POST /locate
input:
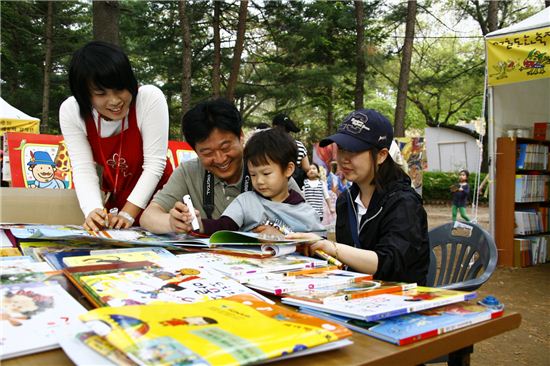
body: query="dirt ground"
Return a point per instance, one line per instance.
(525, 290)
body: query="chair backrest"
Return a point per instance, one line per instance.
(462, 257)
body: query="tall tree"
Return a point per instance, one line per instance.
(217, 50)
(402, 87)
(48, 32)
(186, 59)
(238, 50)
(105, 21)
(361, 64)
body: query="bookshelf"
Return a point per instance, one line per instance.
(532, 192)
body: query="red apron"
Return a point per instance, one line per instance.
(121, 157)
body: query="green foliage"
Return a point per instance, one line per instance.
(436, 185)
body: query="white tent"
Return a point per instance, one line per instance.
(518, 74)
(12, 119)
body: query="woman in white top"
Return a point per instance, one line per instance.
(115, 129)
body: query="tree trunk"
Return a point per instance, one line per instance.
(105, 21)
(186, 59)
(401, 104)
(239, 45)
(47, 69)
(492, 16)
(217, 50)
(361, 64)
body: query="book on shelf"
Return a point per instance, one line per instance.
(243, 268)
(531, 156)
(279, 283)
(32, 315)
(387, 305)
(541, 131)
(233, 331)
(414, 327)
(531, 250)
(531, 187)
(138, 283)
(350, 291)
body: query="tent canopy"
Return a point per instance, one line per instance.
(12, 119)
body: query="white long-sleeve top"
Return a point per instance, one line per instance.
(153, 124)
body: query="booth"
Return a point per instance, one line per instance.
(12, 119)
(518, 77)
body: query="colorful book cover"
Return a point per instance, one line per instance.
(236, 331)
(118, 255)
(354, 290)
(179, 152)
(32, 314)
(280, 284)
(410, 328)
(145, 282)
(243, 268)
(24, 265)
(382, 306)
(9, 252)
(39, 161)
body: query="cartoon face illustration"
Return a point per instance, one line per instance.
(42, 172)
(22, 305)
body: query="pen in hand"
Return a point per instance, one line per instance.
(329, 259)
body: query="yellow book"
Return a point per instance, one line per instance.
(234, 331)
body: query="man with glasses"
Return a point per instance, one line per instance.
(214, 129)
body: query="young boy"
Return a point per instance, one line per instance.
(270, 156)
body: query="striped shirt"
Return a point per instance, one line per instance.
(315, 192)
(301, 152)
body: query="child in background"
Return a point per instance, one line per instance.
(315, 191)
(271, 208)
(460, 192)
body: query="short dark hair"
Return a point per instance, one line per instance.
(103, 65)
(465, 171)
(284, 121)
(199, 121)
(273, 144)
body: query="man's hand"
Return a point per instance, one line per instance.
(180, 218)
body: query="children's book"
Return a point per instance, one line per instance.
(243, 268)
(382, 306)
(350, 291)
(138, 283)
(31, 314)
(279, 283)
(180, 152)
(9, 252)
(56, 259)
(240, 330)
(39, 161)
(414, 327)
(38, 249)
(118, 255)
(25, 264)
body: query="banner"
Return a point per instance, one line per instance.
(19, 125)
(519, 57)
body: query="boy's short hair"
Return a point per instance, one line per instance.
(199, 121)
(103, 65)
(273, 144)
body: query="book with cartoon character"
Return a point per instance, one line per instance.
(32, 314)
(239, 330)
(414, 327)
(383, 306)
(138, 283)
(39, 161)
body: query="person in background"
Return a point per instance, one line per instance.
(460, 193)
(120, 128)
(332, 177)
(302, 163)
(395, 153)
(381, 224)
(271, 206)
(315, 191)
(214, 129)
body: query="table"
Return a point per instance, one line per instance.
(365, 350)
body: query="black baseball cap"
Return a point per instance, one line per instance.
(362, 130)
(284, 121)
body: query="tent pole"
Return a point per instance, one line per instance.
(492, 160)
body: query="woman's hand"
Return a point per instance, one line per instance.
(120, 221)
(96, 220)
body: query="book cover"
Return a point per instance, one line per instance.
(118, 255)
(280, 284)
(410, 328)
(540, 131)
(382, 306)
(141, 283)
(239, 331)
(179, 152)
(32, 314)
(354, 290)
(39, 161)
(244, 268)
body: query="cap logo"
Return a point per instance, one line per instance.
(382, 138)
(356, 123)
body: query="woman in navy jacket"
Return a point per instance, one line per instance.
(381, 225)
